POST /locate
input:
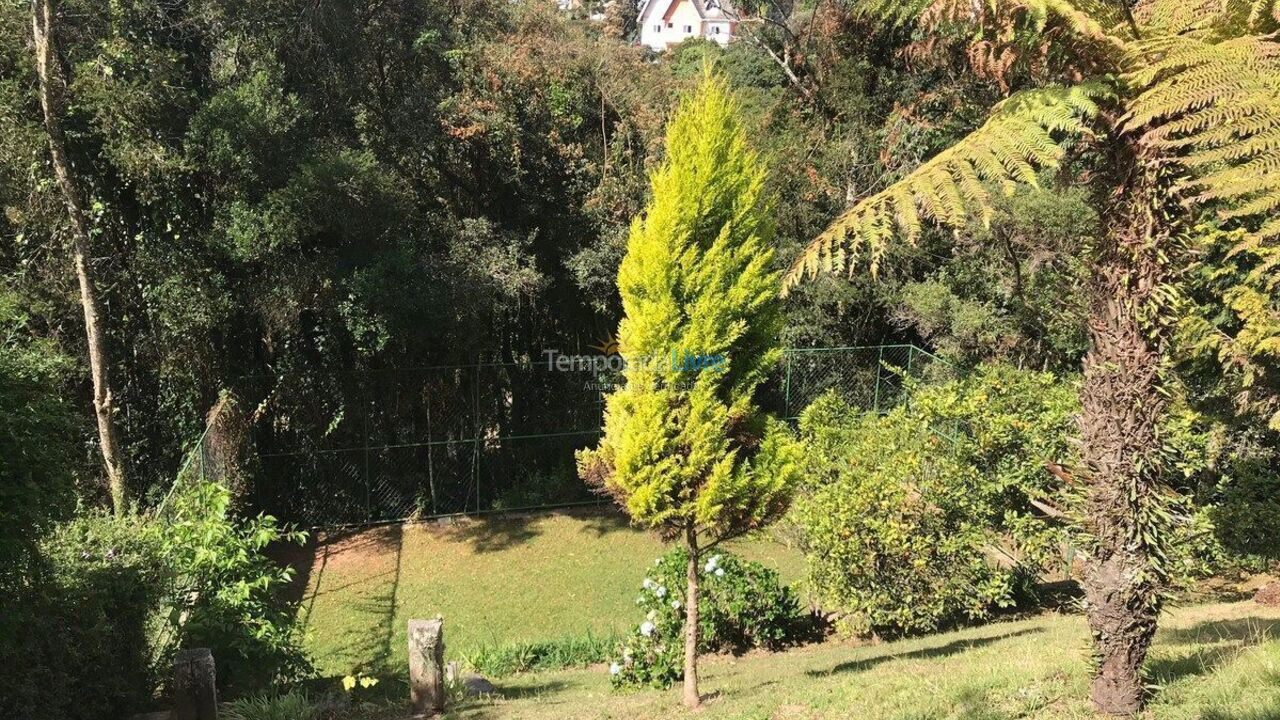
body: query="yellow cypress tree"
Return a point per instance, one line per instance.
(686, 449)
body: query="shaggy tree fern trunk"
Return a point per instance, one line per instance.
(1121, 404)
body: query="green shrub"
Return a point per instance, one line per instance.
(37, 444)
(925, 515)
(286, 706)
(92, 628)
(571, 651)
(1245, 512)
(78, 640)
(227, 595)
(742, 605)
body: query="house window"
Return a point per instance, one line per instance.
(657, 28)
(688, 29)
(716, 30)
(670, 24)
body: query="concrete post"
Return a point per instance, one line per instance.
(426, 667)
(195, 694)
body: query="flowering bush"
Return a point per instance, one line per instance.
(742, 605)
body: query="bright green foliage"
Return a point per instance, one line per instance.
(295, 705)
(498, 660)
(1232, 319)
(225, 594)
(686, 448)
(929, 514)
(741, 605)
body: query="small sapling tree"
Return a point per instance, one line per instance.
(686, 450)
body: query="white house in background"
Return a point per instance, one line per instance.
(666, 22)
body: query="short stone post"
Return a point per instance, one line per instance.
(195, 693)
(426, 667)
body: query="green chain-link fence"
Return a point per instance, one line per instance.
(421, 442)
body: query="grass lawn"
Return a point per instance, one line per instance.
(1215, 662)
(525, 578)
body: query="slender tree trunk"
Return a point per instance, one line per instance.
(691, 697)
(1121, 405)
(52, 86)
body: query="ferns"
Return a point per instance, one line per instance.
(1016, 142)
(1203, 88)
(1216, 108)
(1085, 18)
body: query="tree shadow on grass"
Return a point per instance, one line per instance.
(1225, 639)
(604, 521)
(494, 533)
(372, 615)
(951, 648)
(1251, 629)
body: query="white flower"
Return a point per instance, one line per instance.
(646, 629)
(712, 563)
(657, 562)
(661, 592)
(675, 604)
(647, 584)
(614, 669)
(719, 572)
(652, 614)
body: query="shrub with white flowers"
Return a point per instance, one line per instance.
(742, 606)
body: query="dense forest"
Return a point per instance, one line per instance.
(361, 223)
(284, 196)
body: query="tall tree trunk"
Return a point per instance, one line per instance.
(52, 86)
(691, 697)
(1121, 403)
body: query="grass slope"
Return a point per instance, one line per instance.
(495, 581)
(1218, 662)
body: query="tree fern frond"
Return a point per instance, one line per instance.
(1171, 17)
(1019, 139)
(1215, 107)
(1085, 18)
(1226, 18)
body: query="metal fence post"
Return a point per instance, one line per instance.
(875, 404)
(368, 481)
(786, 403)
(475, 430)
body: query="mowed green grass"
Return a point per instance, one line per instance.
(495, 581)
(1218, 662)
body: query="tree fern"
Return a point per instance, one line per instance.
(1200, 88)
(1090, 19)
(1215, 107)
(1020, 138)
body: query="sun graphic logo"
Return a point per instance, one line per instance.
(609, 346)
